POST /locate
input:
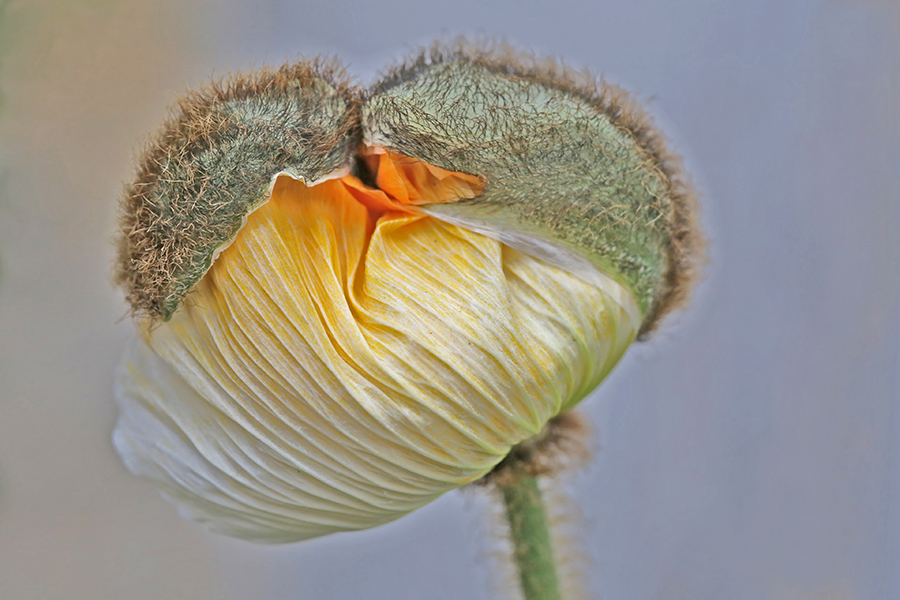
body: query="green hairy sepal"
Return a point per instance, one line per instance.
(214, 162)
(574, 173)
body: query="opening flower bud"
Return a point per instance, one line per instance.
(350, 304)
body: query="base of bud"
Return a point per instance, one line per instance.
(560, 446)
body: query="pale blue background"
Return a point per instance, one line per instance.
(749, 452)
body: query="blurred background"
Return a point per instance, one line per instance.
(749, 451)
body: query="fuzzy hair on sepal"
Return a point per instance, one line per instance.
(213, 162)
(565, 156)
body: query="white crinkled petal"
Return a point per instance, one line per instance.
(329, 374)
(211, 468)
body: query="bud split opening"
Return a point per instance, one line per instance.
(353, 301)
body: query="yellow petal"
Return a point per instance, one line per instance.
(345, 362)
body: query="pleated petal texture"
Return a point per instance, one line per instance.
(343, 363)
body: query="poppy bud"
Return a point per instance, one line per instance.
(352, 303)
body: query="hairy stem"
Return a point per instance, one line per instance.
(532, 544)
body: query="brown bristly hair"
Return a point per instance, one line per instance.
(561, 446)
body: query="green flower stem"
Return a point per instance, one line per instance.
(530, 532)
